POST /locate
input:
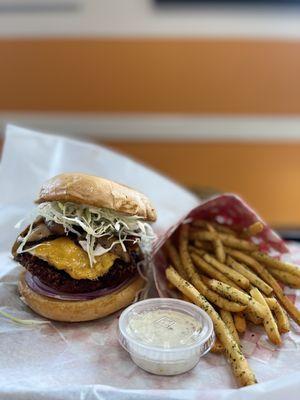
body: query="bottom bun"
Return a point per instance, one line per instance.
(77, 311)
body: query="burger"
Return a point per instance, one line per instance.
(83, 251)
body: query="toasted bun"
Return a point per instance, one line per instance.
(77, 311)
(97, 192)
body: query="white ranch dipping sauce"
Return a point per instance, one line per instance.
(165, 336)
(164, 328)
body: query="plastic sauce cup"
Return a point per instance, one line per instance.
(165, 336)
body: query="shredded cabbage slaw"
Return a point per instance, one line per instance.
(96, 223)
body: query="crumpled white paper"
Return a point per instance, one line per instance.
(84, 360)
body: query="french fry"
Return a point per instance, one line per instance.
(218, 245)
(240, 322)
(287, 278)
(223, 229)
(206, 280)
(174, 258)
(237, 243)
(228, 320)
(276, 264)
(202, 245)
(219, 249)
(170, 286)
(252, 317)
(218, 227)
(184, 253)
(202, 235)
(283, 322)
(256, 309)
(236, 277)
(229, 292)
(226, 239)
(183, 297)
(254, 279)
(216, 299)
(195, 278)
(211, 271)
(220, 301)
(269, 322)
(217, 347)
(268, 278)
(236, 358)
(253, 229)
(200, 223)
(199, 252)
(236, 295)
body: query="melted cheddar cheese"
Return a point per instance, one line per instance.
(64, 254)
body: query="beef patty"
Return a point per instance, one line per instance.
(63, 282)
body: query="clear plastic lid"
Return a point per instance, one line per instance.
(166, 330)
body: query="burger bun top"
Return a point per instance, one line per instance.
(97, 192)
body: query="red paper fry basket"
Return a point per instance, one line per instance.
(227, 209)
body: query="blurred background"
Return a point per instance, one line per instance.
(206, 92)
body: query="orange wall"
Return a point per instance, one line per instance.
(266, 175)
(159, 75)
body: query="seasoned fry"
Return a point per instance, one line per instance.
(199, 252)
(283, 322)
(204, 245)
(211, 271)
(269, 322)
(174, 258)
(186, 259)
(170, 286)
(227, 239)
(268, 278)
(223, 228)
(276, 264)
(236, 295)
(252, 317)
(236, 358)
(237, 243)
(231, 293)
(219, 249)
(218, 227)
(254, 279)
(206, 280)
(183, 297)
(228, 320)
(287, 278)
(217, 347)
(257, 309)
(200, 223)
(236, 277)
(240, 322)
(253, 229)
(214, 298)
(195, 278)
(202, 235)
(218, 245)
